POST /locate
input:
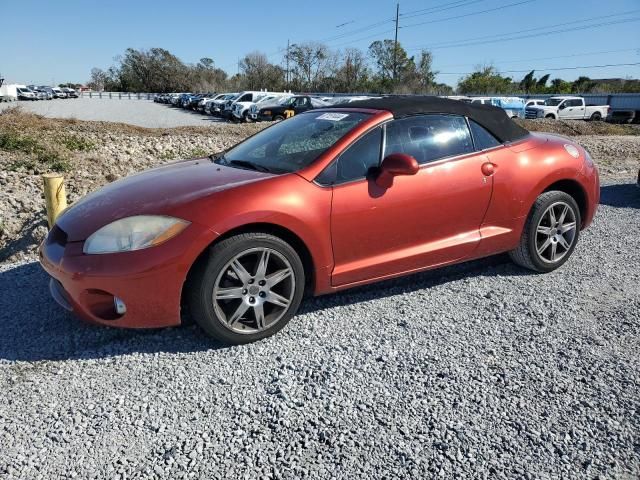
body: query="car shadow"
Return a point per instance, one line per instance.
(620, 195)
(34, 328)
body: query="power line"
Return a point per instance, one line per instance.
(468, 14)
(552, 32)
(551, 69)
(550, 58)
(440, 8)
(467, 40)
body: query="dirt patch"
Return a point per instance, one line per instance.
(578, 127)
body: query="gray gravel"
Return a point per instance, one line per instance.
(143, 113)
(480, 370)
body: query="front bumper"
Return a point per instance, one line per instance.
(148, 281)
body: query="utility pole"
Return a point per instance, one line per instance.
(395, 45)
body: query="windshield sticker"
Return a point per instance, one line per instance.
(334, 117)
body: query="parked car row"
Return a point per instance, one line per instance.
(248, 106)
(43, 92)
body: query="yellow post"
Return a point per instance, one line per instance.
(55, 196)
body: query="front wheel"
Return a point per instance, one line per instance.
(550, 233)
(247, 289)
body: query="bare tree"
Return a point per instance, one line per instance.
(311, 63)
(259, 73)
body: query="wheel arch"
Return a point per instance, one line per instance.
(575, 190)
(260, 227)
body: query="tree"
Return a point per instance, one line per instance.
(560, 86)
(528, 83)
(98, 80)
(353, 74)
(391, 58)
(541, 84)
(259, 73)
(425, 73)
(485, 80)
(310, 64)
(582, 85)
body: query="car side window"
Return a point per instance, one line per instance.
(482, 138)
(355, 162)
(428, 137)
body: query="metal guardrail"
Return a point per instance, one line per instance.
(119, 95)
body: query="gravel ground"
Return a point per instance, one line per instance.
(143, 113)
(480, 370)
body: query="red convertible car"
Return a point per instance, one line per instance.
(327, 200)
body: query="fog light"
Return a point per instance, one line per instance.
(119, 305)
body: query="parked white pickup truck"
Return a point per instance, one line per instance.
(567, 108)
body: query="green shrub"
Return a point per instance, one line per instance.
(77, 144)
(14, 142)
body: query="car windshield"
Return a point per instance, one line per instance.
(292, 144)
(553, 102)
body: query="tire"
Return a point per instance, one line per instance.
(246, 118)
(278, 118)
(233, 316)
(550, 116)
(528, 254)
(596, 117)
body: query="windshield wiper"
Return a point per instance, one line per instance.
(248, 165)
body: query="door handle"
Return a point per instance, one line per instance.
(488, 169)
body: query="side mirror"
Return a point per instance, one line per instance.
(562, 107)
(394, 165)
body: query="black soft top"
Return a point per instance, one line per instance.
(492, 118)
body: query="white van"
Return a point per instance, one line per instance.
(8, 93)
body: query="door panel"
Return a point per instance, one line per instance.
(423, 220)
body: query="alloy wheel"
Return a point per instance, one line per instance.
(254, 290)
(556, 232)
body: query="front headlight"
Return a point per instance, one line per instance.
(133, 233)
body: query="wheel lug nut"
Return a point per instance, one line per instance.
(262, 283)
(244, 291)
(252, 299)
(262, 294)
(250, 281)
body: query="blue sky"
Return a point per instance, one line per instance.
(44, 45)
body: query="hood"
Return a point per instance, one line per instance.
(154, 192)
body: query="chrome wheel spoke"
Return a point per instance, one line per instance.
(261, 270)
(552, 216)
(237, 315)
(564, 228)
(240, 271)
(563, 241)
(260, 320)
(228, 293)
(554, 251)
(277, 277)
(544, 245)
(563, 214)
(277, 299)
(544, 230)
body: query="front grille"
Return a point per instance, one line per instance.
(531, 113)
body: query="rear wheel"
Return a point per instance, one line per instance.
(550, 233)
(278, 118)
(596, 117)
(249, 288)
